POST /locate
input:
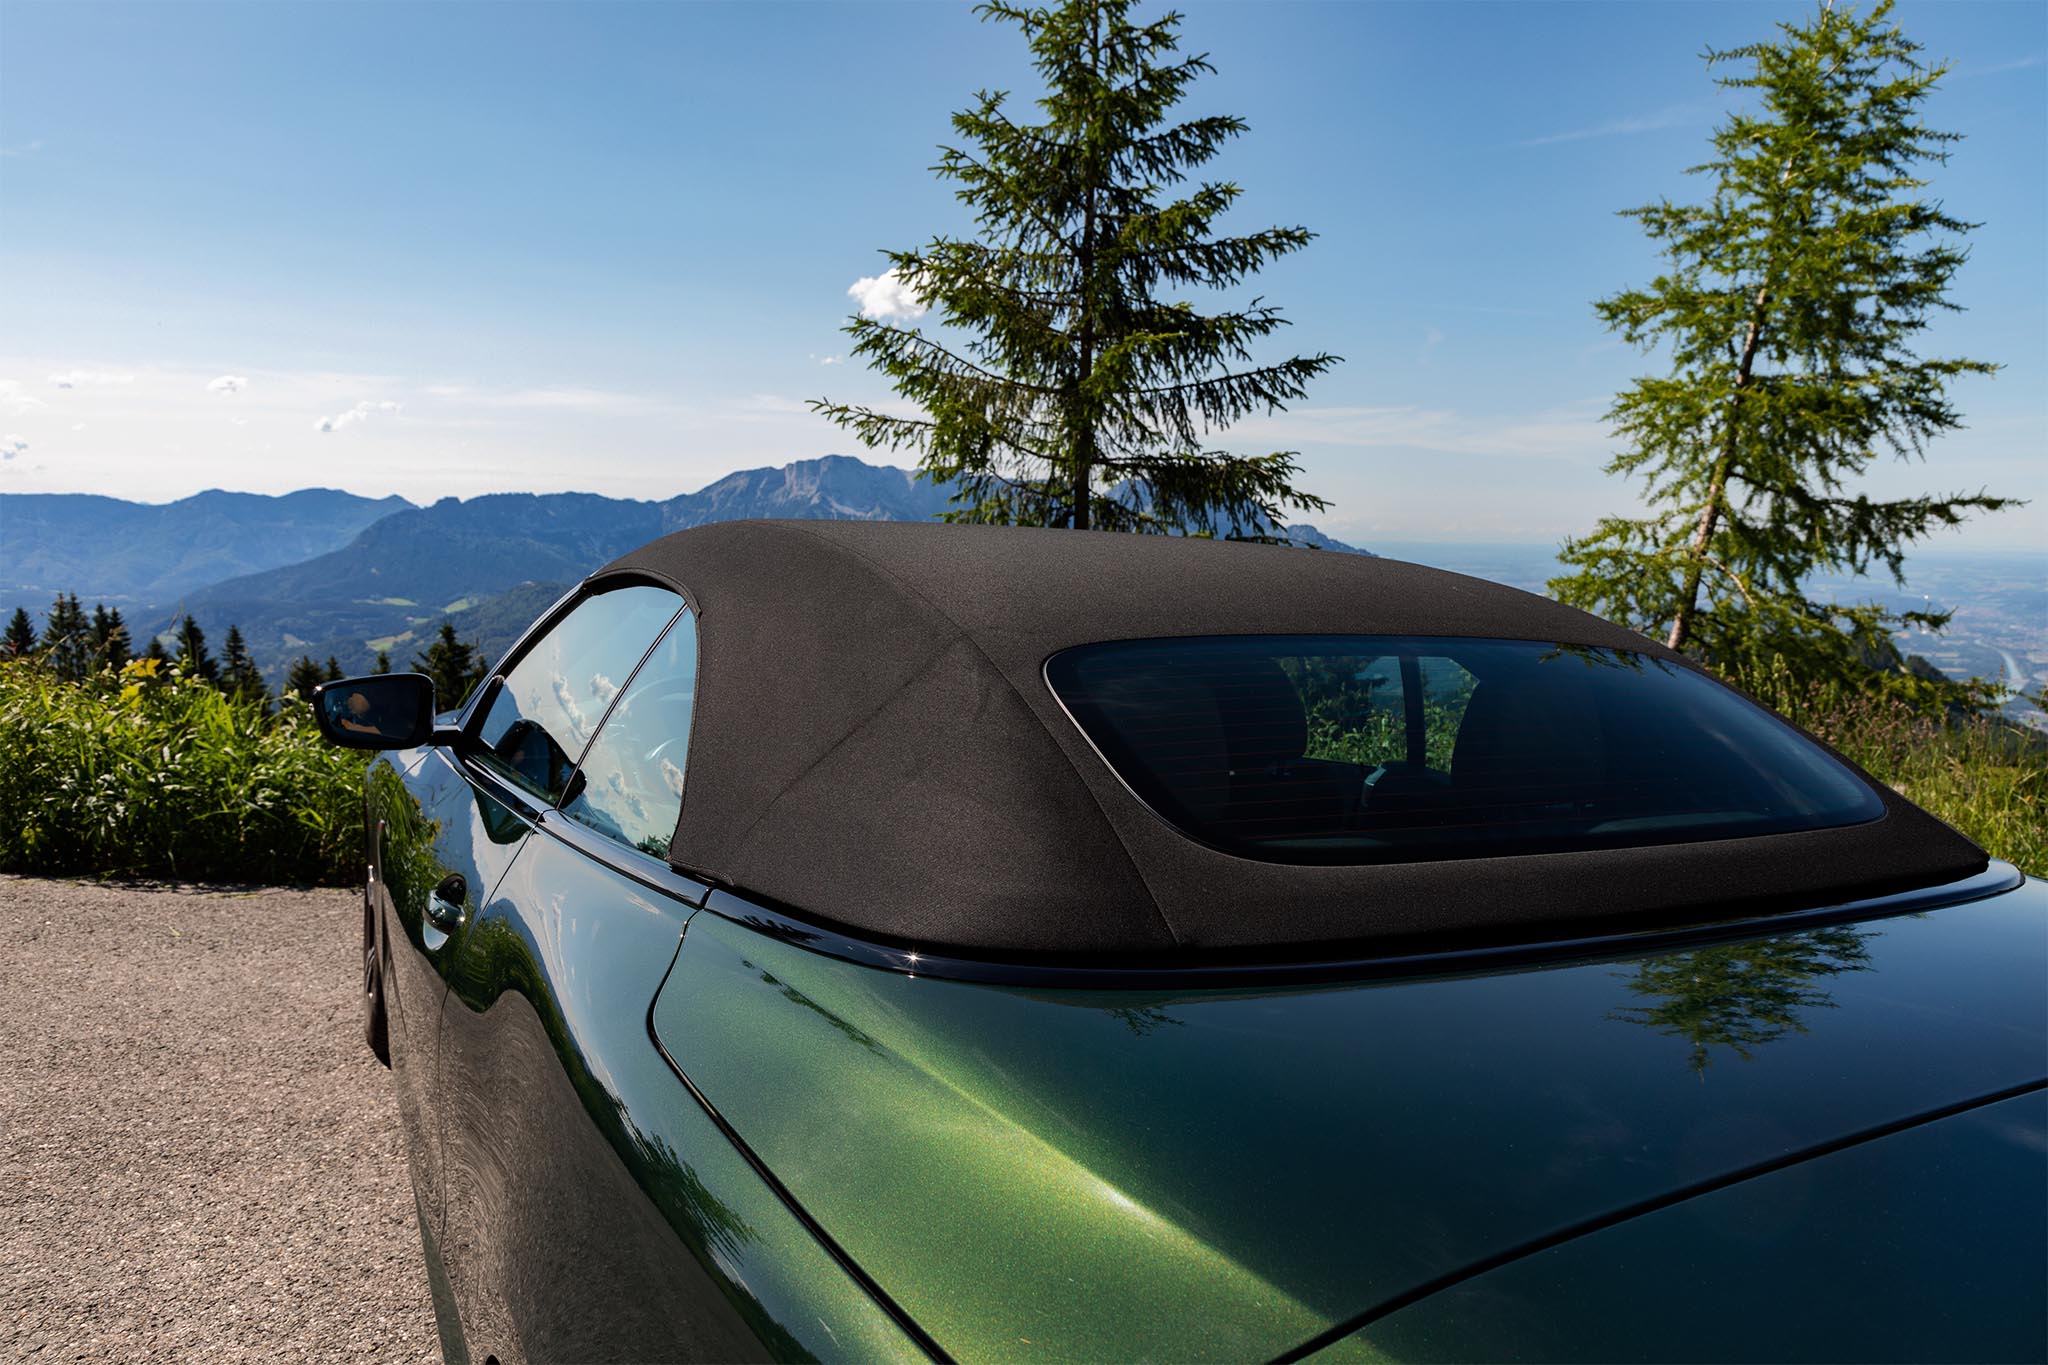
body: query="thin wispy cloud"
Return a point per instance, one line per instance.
(1574, 431)
(23, 149)
(228, 383)
(1675, 116)
(361, 412)
(15, 398)
(887, 295)
(88, 379)
(2016, 64)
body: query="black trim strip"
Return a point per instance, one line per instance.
(825, 1239)
(778, 923)
(649, 871)
(1653, 1204)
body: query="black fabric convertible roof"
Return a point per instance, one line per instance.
(875, 747)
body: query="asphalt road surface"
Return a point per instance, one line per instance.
(199, 1159)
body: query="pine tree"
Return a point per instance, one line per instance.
(239, 676)
(303, 677)
(20, 640)
(383, 662)
(1083, 397)
(110, 645)
(334, 673)
(1790, 305)
(192, 655)
(156, 650)
(454, 664)
(67, 639)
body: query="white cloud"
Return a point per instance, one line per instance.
(13, 398)
(361, 412)
(228, 383)
(829, 359)
(25, 149)
(1676, 116)
(11, 446)
(78, 426)
(887, 295)
(84, 379)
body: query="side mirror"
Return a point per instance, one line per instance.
(386, 711)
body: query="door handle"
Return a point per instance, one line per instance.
(444, 905)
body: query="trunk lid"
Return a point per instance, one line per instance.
(1233, 1172)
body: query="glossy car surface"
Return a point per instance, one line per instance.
(653, 1118)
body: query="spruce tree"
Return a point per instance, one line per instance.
(192, 655)
(156, 650)
(20, 639)
(1789, 306)
(110, 645)
(1085, 393)
(239, 676)
(454, 664)
(334, 673)
(67, 639)
(303, 676)
(383, 662)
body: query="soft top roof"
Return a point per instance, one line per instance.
(875, 747)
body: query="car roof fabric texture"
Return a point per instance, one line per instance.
(875, 747)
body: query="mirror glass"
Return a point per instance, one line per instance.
(386, 711)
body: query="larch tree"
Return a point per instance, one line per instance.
(1790, 306)
(1075, 382)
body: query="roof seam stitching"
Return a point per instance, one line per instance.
(1137, 872)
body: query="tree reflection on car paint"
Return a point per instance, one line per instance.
(1740, 996)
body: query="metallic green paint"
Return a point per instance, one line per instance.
(1922, 1245)
(1229, 1174)
(575, 1199)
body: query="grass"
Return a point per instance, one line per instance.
(1984, 775)
(141, 774)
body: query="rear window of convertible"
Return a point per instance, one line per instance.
(1370, 749)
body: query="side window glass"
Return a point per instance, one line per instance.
(553, 699)
(631, 785)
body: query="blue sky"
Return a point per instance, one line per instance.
(450, 249)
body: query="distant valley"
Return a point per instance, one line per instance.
(324, 573)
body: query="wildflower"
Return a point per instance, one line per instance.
(144, 667)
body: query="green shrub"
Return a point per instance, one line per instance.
(144, 773)
(1981, 773)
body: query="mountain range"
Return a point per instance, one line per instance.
(325, 573)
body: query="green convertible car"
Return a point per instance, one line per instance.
(843, 940)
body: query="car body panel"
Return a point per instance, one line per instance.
(1165, 1174)
(595, 1210)
(427, 823)
(1921, 1245)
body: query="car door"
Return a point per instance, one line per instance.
(530, 1179)
(438, 845)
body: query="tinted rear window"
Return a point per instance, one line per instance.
(1363, 749)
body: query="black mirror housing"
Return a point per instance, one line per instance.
(384, 711)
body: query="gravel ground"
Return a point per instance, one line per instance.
(199, 1159)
